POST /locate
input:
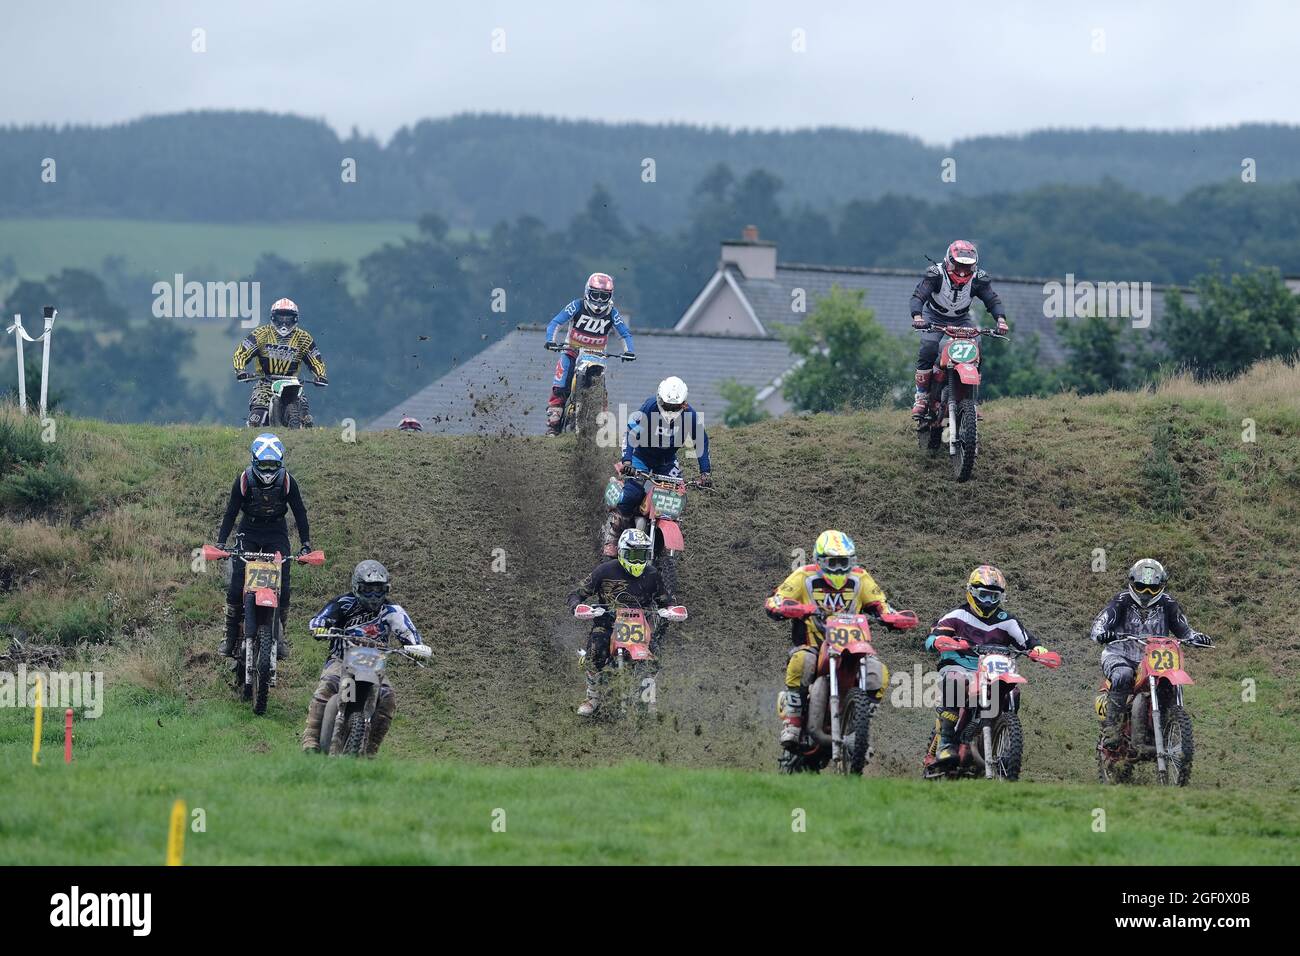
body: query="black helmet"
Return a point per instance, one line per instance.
(370, 584)
(1146, 581)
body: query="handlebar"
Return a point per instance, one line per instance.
(255, 377)
(665, 479)
(1118, 638)
(586, 612)
(557, 347)
(213, 553)
(959, 331)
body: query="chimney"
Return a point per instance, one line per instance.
(754, 257)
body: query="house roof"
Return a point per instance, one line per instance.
(504, 388)
(887, 292)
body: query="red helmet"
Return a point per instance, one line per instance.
(409, 424)
(600, 293)
(961, 261)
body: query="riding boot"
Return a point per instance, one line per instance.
(1140, 738)
(379, 724)
(588, 706)
(282, 646)
(233, 616)
(553, 415)
(613, 528)
(311, 733)
(1110, 728)
(946, 752)
(922, 401)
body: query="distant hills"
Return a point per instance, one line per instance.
(474, 170)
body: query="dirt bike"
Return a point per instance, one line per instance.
(838, 707)
(952, 413)
(259, 631)
(587, 397)
(632, 647)
(345, 726)
(659, 516)
(286, 409)
(1162, 715)
(990, 741)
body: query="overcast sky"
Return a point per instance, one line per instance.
(939, 70)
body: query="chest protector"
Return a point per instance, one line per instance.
(590, 331)
(952, 301)
(265, 503)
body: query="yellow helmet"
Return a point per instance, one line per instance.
(834, 553)
(985, 589)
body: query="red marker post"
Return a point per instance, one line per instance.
(67, 735)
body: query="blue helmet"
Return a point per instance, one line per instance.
(267, 456)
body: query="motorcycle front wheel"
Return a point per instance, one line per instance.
(856, 751)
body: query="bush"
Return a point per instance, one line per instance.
(20, 444)
(40, 488)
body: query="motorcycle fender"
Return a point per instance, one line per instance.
(672, 534)
(1011, 678)
(266, 597)
(1178, 677)
(969, 373)
(638, 652)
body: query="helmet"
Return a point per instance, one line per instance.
(634, 551)
(600, 293)
(284, 315)
(985, 589)
(834, 553)
(1146, 581)
(409, 424)
(370, 584)
(671, 397)
(266, 455)
(960, 261)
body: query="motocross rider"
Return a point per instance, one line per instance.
(629, 581)
(943, 297)
(589, 321)
(663, 424)
(264, 492)
(1142, 609)
(279, 347)
(365, 609)
(981, 620)
(832, 584)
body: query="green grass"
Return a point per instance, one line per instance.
(42, 247)
(492, 714)
(263, 802)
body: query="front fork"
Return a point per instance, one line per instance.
(952, 411)
(1161, 756)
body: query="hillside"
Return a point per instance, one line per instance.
(1164, 474)
(476, 169)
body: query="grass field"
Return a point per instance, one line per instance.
(100, 564)
(210, 251)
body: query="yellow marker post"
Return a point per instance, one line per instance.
(36, 733)
(176, 835)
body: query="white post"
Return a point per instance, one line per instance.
(17, 330)
(50, 313)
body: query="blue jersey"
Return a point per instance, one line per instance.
(653, 440)
(587, 330)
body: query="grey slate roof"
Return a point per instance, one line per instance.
(887, 292)
(504, 388)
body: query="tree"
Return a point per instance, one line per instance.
(1234, 323)
(742, 405)
(1104, 354)
(848, 360)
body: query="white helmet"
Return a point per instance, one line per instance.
(671, 397)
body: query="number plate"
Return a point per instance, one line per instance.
(668, 503)
(613, 492)
(630, 627)
(261, 574)
(963, 351)
(1162, 659)
(588, 359)
(996, 664)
